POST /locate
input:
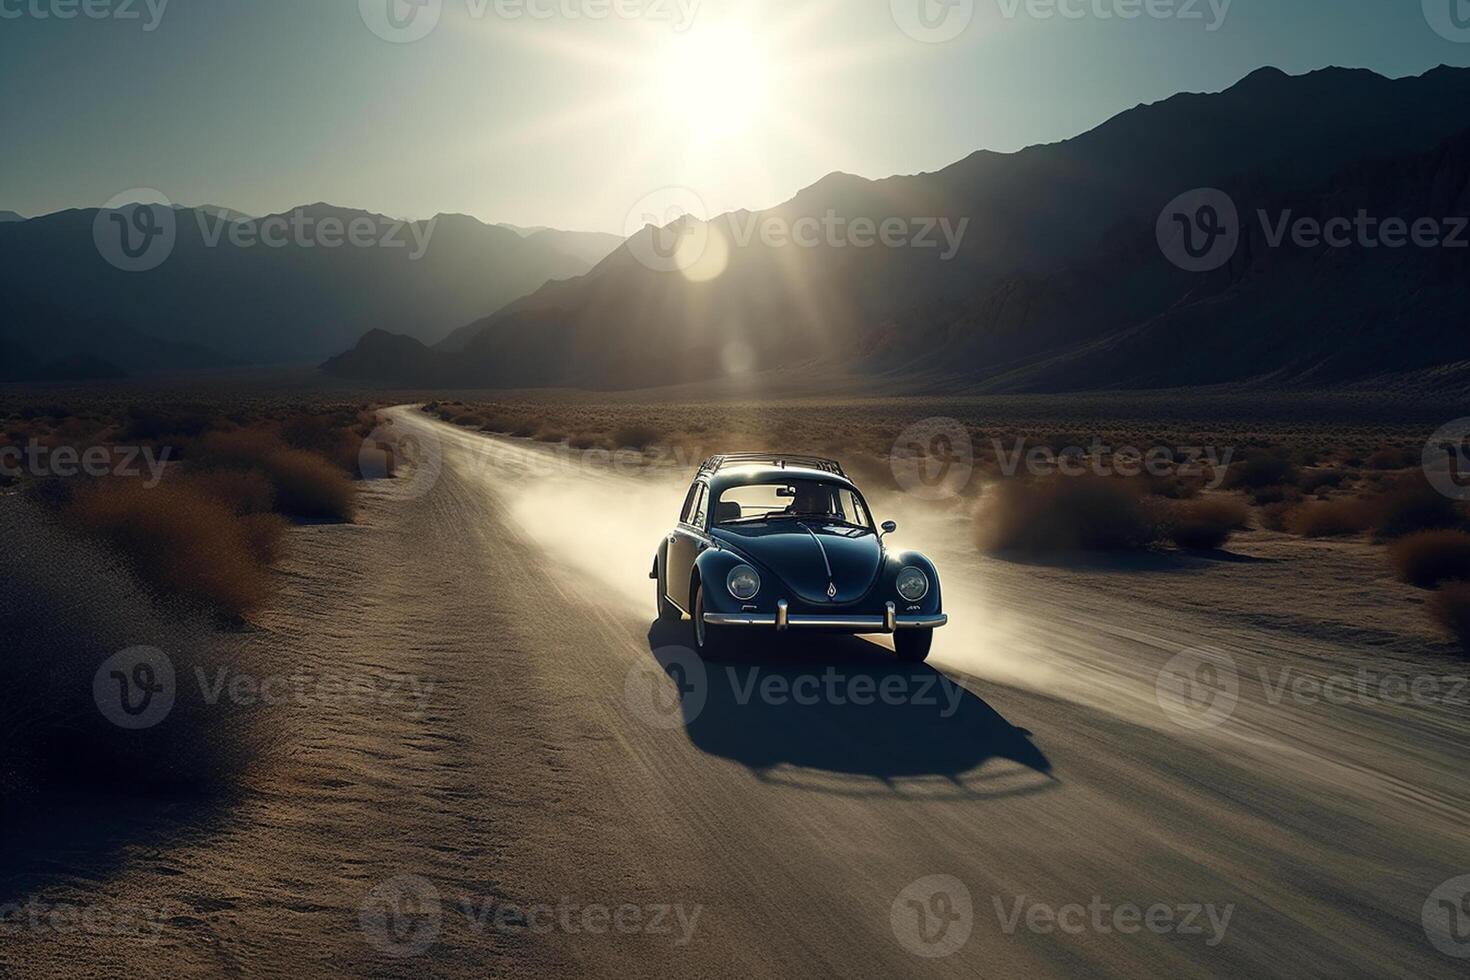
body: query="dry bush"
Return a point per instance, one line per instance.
(550, 435)
(1413, 505)
(1428, 558)
(265, 535)
(1316, 480)
(1261, 470)
(1450, 608)
(499, 423)
(1273, 516)
(638, 437)
(241, 449)
(1330, 518)
(305, 483)
(178, 539)
(308, 486)
(1391, 458)
(67, 607)
(243, 491)
(1064, 514)
(1172, 487)
(587, 440)
(1206, 523)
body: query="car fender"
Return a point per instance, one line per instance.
(712, 567)
(932, 601)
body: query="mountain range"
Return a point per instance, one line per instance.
(1059, 281)
(236, 289)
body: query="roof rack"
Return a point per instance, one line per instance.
(714, 463)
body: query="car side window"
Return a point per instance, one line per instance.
(694, 506)
(698, 519)
(687, 515)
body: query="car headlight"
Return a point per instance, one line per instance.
(912, 584)
(743, 582)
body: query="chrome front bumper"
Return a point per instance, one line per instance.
(781, 619)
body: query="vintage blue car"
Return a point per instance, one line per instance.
(774, 541)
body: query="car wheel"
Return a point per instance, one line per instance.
(711, 641)
(667, 611)
(912, 646)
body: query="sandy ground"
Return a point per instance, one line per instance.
(534, 779)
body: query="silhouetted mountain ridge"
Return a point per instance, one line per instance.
(1060, 283)
(289, 287)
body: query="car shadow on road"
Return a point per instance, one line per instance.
(843, 715)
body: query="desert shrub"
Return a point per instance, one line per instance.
(1428, 558)
(1330, 518)
(241, 448)
(1064, 514)
(265, 535)
(305, 484)
(1414, 505)
(499, 422)
(1262, 470)
(1205, 523)
(68, 606)
(1273, 516)
(177, 539)
(1450, 608)
(243, 491)
(1172, 487)
(638, 437)
(524, 428)
(1274, 494)
(1390, 458)
(587, 440)
(550, 435)
(308, 486)
(330, 435)
(1316, 480)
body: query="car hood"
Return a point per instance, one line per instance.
(799, 554)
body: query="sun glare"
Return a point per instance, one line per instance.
(715, 82)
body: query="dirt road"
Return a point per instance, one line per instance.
(537, 781)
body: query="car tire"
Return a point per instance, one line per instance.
(912, 646)
(711, 641)
(667, 611)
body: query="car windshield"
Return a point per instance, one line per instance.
(791, 500)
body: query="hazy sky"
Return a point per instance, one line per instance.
(550, 119)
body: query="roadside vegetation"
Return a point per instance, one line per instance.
(166, 540)
(196, 499)
(70, 602)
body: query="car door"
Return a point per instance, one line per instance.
(685, 543)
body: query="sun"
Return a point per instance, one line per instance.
(714, 82)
